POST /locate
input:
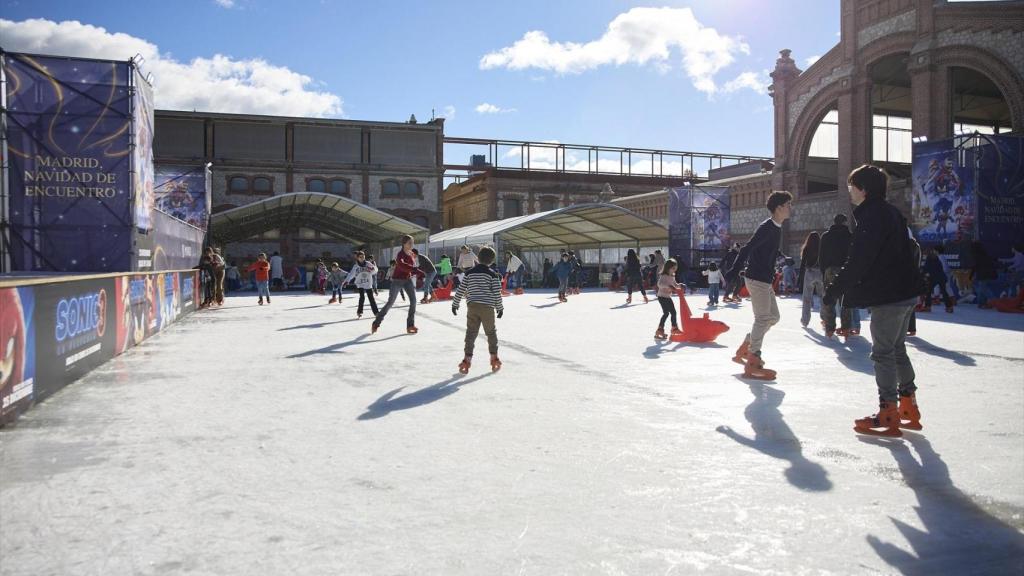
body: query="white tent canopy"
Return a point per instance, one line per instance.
(591, 225)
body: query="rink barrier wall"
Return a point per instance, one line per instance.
(54, 330)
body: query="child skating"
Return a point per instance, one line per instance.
(482, 291)
(337, 278)
(262, 268)
(363, 274)
(757, 261)
(562, 270)
(321, 276)
(714, 276)
(667, 286)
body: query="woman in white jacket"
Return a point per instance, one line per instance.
(362, 274)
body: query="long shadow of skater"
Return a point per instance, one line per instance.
(318, 324)
(959, 536)
(927, 347)
(546, 305)
(336, 348)
(773, 437)
(855, 353)
(656, 350)
(388, 403)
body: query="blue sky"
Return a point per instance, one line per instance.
(385, 60)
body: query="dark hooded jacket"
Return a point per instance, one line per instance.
(880, 268)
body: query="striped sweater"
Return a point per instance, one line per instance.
(482, 285)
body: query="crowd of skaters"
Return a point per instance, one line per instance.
(875, 264)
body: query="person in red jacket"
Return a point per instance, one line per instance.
(262, 268)
(401, 281)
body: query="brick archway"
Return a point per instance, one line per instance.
(1011, 85)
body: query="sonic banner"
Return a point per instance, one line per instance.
(943, 195)
(68, 130)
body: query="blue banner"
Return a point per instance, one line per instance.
(710, 219)
(1000, 162)
(181, 192)
(68, 129)
(142, 152)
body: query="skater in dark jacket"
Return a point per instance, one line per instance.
(880, 272)
(835, 245)
(757, 261)
(482, 291)
(634, 276)
(936, 277)
(733, 282)
(561, 271)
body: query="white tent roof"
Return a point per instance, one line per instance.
(578, 225)
(338, 216)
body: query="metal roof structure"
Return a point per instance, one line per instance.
(578, 225)
(341, 217)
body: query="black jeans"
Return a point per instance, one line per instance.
(942, 290)
(668, 308)
(366, 293)
(633, 281)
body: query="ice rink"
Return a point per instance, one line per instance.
(287, 440)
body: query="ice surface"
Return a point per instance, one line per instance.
(287, 440)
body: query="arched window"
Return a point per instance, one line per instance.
(513, 207)
(339, 187)
(315, 185)
(825, 143)
(238, 184)
(411, 189)
(547, 204)
(262, 185)
(389, 188)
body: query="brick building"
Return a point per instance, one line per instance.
(494, 194)
(903, 69)
(392, 166)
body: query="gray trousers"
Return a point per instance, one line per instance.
(812, 284)
(397, 286)
(766, 311)
(894, 374)
(828, 313)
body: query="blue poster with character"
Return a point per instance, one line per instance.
(943, 203)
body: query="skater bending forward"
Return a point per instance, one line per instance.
(758, 258)
(482, 291)
(881, 273)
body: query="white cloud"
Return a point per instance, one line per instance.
(448, 113)
(225, 3)
(486, 108)
(216, 84)
(640, 36)
(751, 80)
(811, 59)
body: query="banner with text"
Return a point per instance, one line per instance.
(68, 130)
(1000, 161)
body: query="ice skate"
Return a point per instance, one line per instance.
(910, 415)
(261, 301)
(412, 330)
(373, 328)
(659, 334)
(885, 423)
(676, 331)
(332, 300)
(740, 357)
(911, 332)
(268, 299)
(854, 332)
(754, 368)
(464, 365)
(646, 300)
(495, 363)
(629, 299)
(949, 309)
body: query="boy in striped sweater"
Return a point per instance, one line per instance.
(482, 291)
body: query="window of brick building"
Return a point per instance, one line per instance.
(825, 143)
(891, 138)
(262, 185)
(238, 184)
(547, 204)
(316, 185)
(513, 207)
(389, 188)
(339, 187)
(411, 189)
